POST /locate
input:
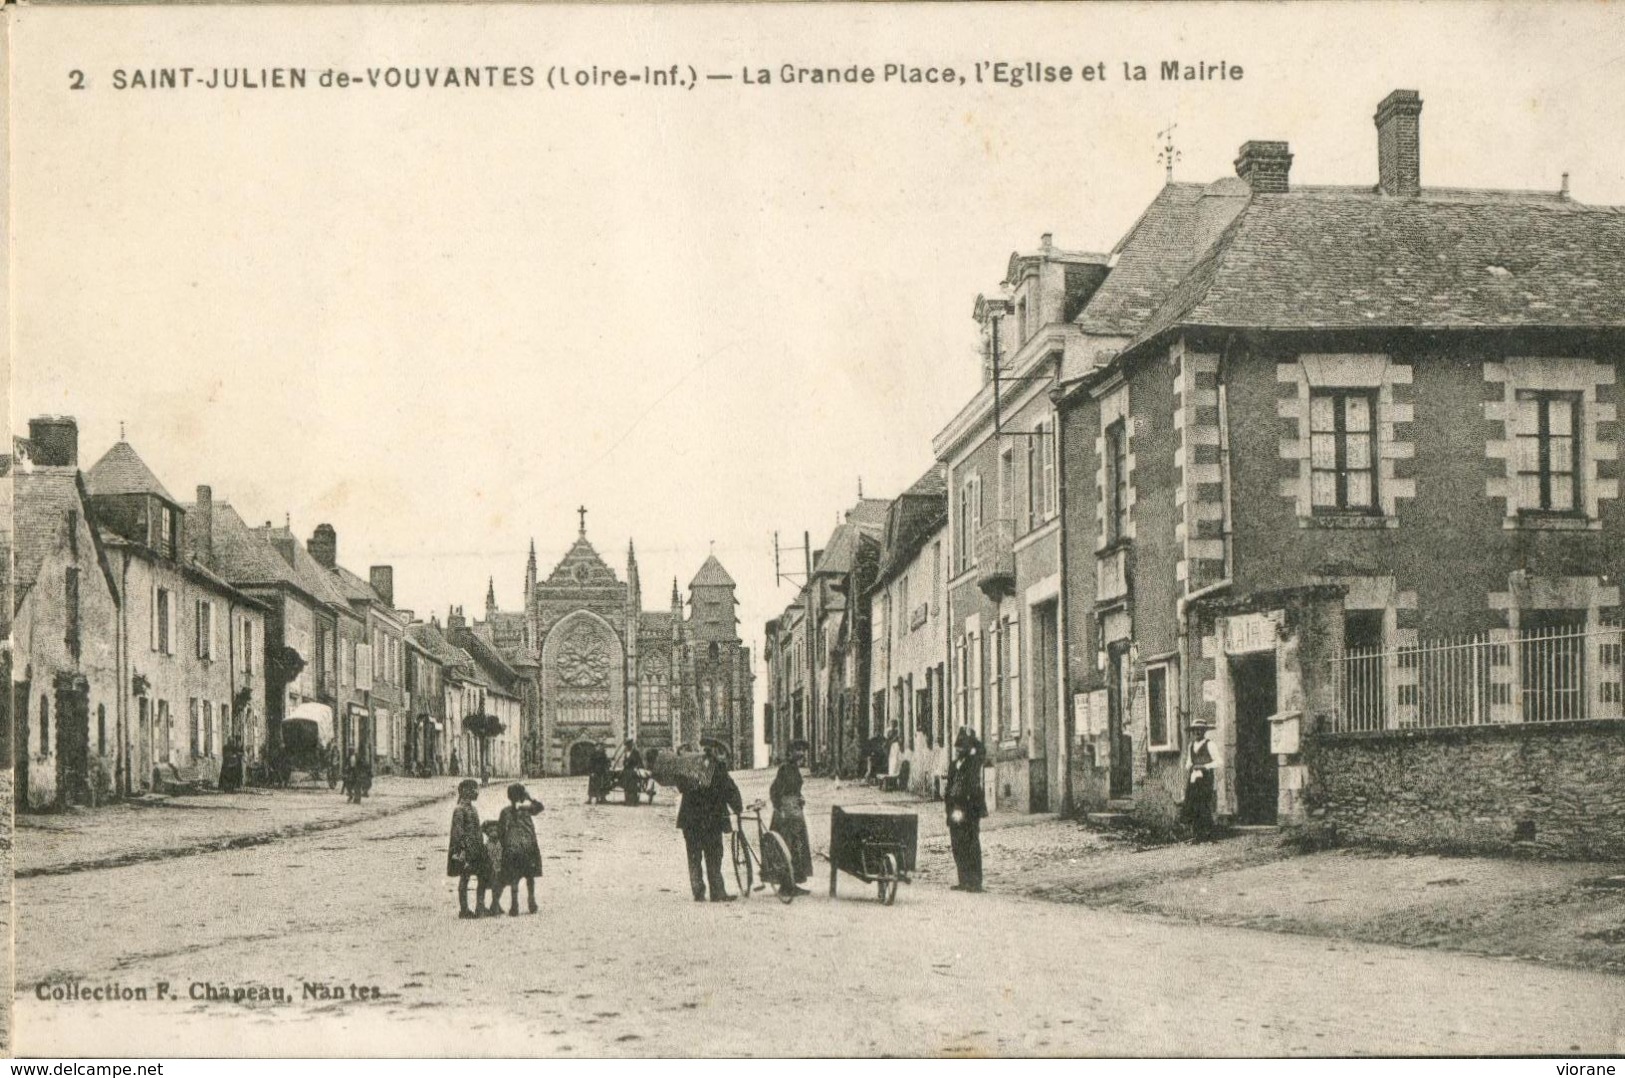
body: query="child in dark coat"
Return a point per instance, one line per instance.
(495, 876)
(521, 855)
(465, 854)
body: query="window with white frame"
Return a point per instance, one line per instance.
(1041, 495)
(1012, 632)
(205, 629)
(1343, 450)
(970, 520)
(1548, 451)
(962, 676)
(1001, 669)
(163, 621)
(1161, 708)
(1116, 482)
(962, 538)
(1007, 484)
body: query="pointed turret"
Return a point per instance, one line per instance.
(490, 597)
(633, 613)
(530, 572)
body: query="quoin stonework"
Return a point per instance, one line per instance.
(1333, 469)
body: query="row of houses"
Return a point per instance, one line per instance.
(1333, 469)
(149, 635)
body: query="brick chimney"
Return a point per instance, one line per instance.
(455, 620)
(1399, 144)
(382, 578)
(324, 546)
(205, 524)
(56, 440)
(1265, 166)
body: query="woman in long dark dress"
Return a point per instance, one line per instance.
(521, 854)
(790, 814)
(598, 778)
(631, 764)
(1200, 794)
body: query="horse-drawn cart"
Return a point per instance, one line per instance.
(876, 847)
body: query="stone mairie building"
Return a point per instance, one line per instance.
(604, 667)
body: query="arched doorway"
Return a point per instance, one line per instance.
(581, 757)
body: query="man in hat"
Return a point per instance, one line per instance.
(1199, 792)
(705, 815)
(966, 804)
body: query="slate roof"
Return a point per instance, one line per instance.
(356, 589)
(241, 556)
(433, 641)
(463, 666)
(656, 621)
(190, 564)
(42, 498)
(1157, 250)
(487, 660)
(1329, 258)
(712, 574)
(307, 571)
(934, 483)
(122, 471)
(869, 513)
(918, 513)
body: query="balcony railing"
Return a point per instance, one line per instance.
(1111, 575)
(996, 558)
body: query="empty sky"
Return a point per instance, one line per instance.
(440, 320)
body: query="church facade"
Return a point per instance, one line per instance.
(604, 668)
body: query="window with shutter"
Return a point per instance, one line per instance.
(164, 616)
(1013, 627)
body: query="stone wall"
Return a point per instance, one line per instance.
(1557, 790)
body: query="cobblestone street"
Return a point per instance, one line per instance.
(621, 962)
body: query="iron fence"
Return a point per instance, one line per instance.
(1558, 673)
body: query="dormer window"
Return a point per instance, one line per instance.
(166, 530)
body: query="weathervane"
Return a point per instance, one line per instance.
(1168, 154)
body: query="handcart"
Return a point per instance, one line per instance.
(876, 847)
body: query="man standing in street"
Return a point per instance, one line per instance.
(705, 815)
(966, 804)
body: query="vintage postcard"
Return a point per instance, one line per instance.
(816, 530)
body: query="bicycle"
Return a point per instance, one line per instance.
(771, 865)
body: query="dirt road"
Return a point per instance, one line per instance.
(620, 961)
